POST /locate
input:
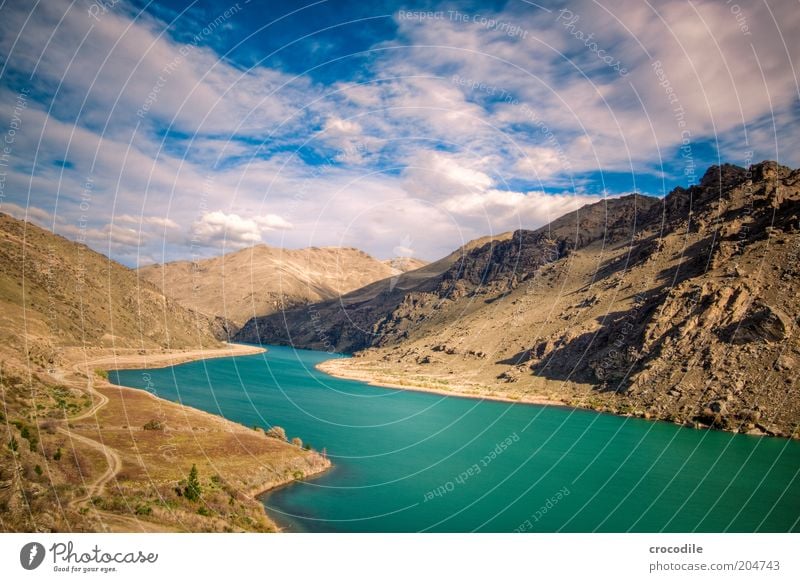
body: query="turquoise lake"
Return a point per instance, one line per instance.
(410, 461)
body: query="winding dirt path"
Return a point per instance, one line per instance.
(82, 377)
(112, 458)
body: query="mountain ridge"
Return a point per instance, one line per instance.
(260, 280)
(649, 306)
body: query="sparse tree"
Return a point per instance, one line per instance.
(192, 491)
(296, 441)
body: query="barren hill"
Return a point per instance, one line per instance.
(55, 292)
(403, 264)
(261, 280)
(682, 308)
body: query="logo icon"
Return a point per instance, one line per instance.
(31, 555)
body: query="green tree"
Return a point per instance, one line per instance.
(192, 491)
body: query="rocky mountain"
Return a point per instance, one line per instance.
(393, 310)
(261, 280)
(682, 308)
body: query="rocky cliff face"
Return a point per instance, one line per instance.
(680, 308)
(387, 311)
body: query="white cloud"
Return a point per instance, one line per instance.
(507, 210)
(436, 175)
(147, 221)
(31, 213)
(272, 222)
(218, 229)
(338, 127)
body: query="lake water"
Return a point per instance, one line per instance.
(410, 461)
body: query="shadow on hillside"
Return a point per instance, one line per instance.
(606, 350)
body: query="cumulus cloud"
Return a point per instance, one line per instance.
(218, 229)
(436, 175)
(507, 210)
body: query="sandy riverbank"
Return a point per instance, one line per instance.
(343, 368)
(127, 358)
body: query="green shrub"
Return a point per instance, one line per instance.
(193, 491)
(153, 424)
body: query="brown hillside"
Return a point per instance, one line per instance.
(261, 280)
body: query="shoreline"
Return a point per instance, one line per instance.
(97, 360)
(282, 526)
(154, 361)
(333, 368)
(337, 369)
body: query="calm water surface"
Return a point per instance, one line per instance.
(410, 461)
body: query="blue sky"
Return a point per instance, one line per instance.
(163, 130)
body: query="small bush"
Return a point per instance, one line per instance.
(38, 469)
(13, 444)
(204, 511)
(276, 432)
(296, 441)
(143, 509)
(57, 454)
(153, 424)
